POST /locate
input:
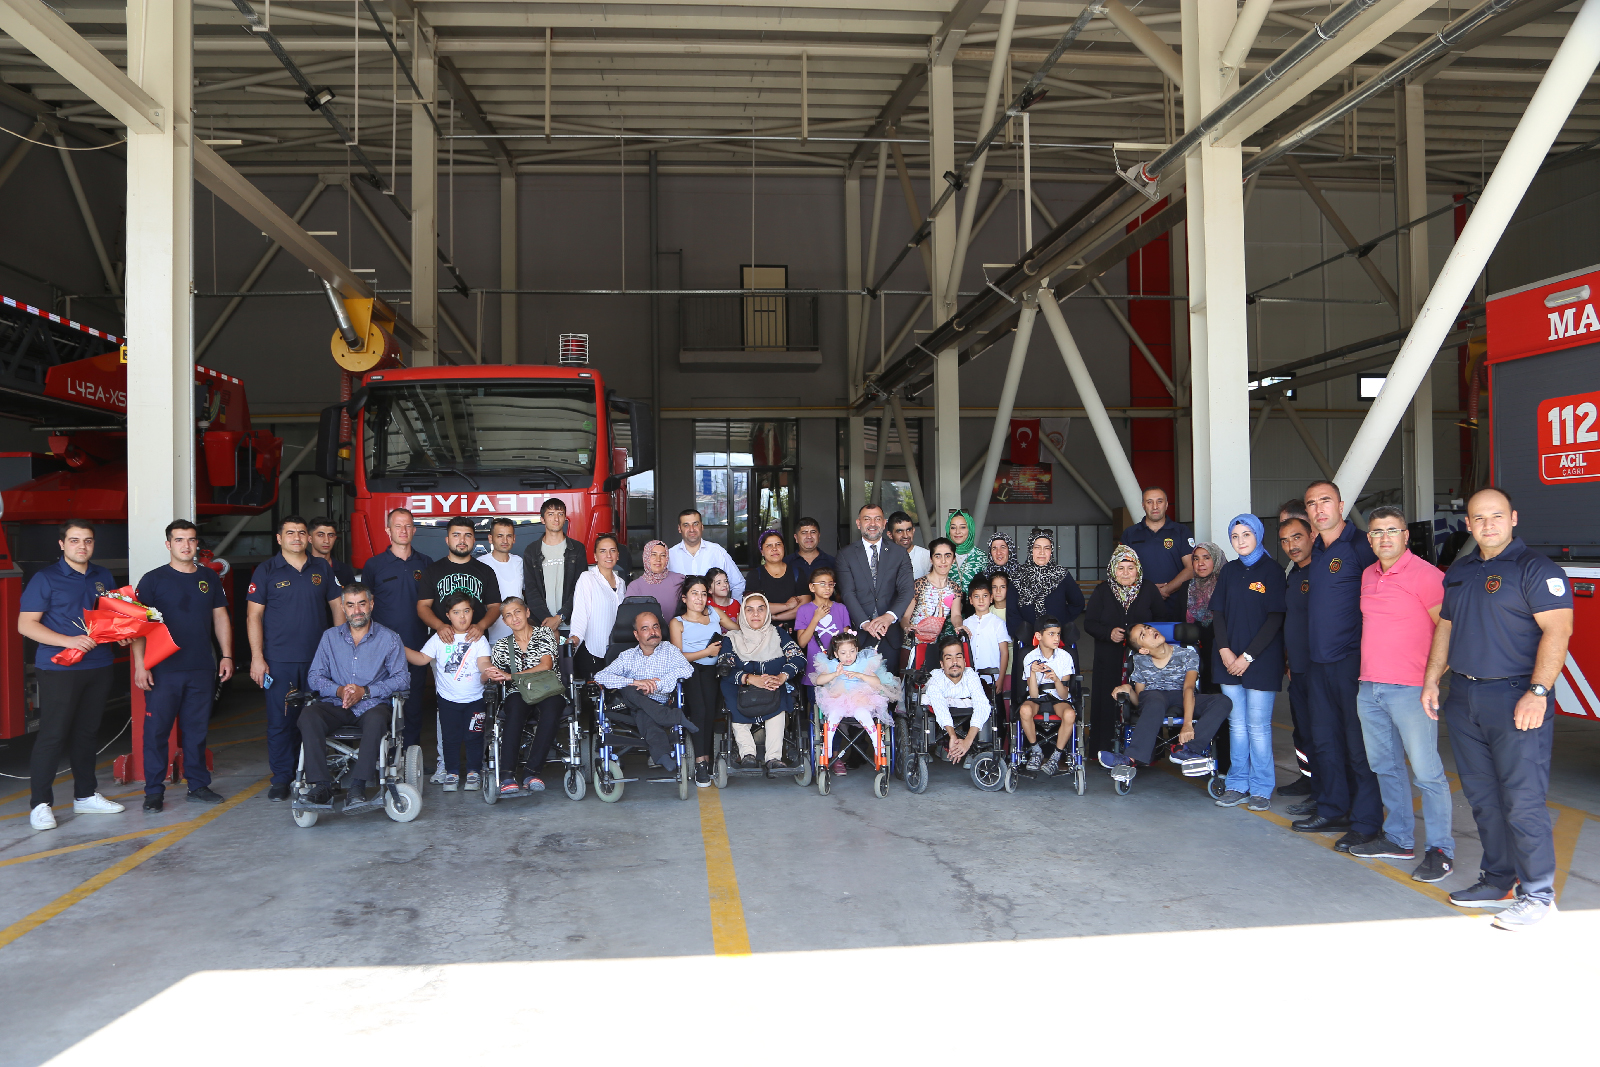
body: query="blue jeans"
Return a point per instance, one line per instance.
(1250, 731)
(1396, 729)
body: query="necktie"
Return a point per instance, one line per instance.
(872, 561)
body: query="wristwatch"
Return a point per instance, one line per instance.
(1539, 690)
(1247, 657)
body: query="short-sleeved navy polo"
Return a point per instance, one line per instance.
(1335, 593)
(296, 603)
(1160, 551)
(62, 595)
(396, 586)
(1491, 605)
(1297, 619)
(186, 601)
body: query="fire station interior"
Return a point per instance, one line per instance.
(222, 216)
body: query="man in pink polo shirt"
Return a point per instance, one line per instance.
(1400, 599)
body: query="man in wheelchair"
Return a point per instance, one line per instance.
(1047, 670)
(955, 685)
(358, 667)
(643, 679)
(1162, 680)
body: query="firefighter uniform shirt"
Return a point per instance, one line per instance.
(1160, 551)
(296, 603)
(396, 586)
(62, 594)
(1335, 574)
(1491, 605)
(474, 578)
(186, 601)
(1297, 620)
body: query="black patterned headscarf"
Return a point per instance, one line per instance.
(1009, 568)
(1035, 582)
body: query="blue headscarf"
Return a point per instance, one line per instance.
(1256, 528)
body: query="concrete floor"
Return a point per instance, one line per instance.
(103, 947)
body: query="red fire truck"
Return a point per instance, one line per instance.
(1544, 411)
(70, 382)
(483, 441)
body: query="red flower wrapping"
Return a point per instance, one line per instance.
(116, 619)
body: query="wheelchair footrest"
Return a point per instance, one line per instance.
(306, 805)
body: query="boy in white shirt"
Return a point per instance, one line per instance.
(1046, 670)
(459, 683)
(955, 686)
(991, 645)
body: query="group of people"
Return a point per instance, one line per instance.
(1363, 631)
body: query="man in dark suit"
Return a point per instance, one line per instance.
(875, 584)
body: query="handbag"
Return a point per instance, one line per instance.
(541, 685)
(758, 703)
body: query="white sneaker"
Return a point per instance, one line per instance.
(42, 818)
(438, 775)
(96, 805)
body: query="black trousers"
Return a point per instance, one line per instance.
(1300, 714)
(1505, 775)
(1349, 788)
(71, 704)
(1210, 712)
(651, 721)
(700, 694)
(517, 712)
(319, 719)
(182, 697)
(416, 704)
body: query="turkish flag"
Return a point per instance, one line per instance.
(1025, 442)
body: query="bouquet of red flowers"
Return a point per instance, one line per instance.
(120, 617)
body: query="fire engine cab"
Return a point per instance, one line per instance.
(1544, 412)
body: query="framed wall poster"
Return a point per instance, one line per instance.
(1016, 484)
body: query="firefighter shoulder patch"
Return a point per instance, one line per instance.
(1166, 543)
(316, 579)
(1334, 564)
(1491, 584)
(1305, 586)
(252, 589)
(1258, 587)
(203, 586)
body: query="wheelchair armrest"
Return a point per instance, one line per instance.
(299, 698)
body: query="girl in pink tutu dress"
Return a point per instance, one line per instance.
(853, 684)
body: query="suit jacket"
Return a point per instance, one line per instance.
(866, 598)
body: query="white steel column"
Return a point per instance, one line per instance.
(160, 259)
(855, 434)
(1002, 415)
(1412, 159)
(1564, 80)
(1218, 327)
(1089, 396)
(946, 376)
(424, 199)
(510, 244)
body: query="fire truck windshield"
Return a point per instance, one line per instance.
(496, 432)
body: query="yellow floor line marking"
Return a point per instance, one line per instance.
(728, 934)
(88, 888)
(1569, 825)
(92, 844)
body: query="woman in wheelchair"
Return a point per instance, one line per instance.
(698, 635)
(1047, 670)
(1163, 677)
(757, 664)
(527, 651)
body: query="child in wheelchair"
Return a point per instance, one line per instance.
(1161, 685)
(853, 684)
(1046, 671)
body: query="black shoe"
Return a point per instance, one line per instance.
(1320, 824)
(1482, 894)
(356, 796)
(278, 793)
(1300, 787)
(773, 765)
(748, 762)
(702, 774)
(1301, 810)
(1435, 866)
(152, 802)
(204, 795)
(1352, 839)
(1381, 848)
(321, 795)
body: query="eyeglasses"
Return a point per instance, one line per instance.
(1385, 532)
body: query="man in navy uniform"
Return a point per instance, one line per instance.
(324, 539)
(289, 600)
(1166, 552)
(1502, 633)
(1295, 537)
(181, 687)
(1348, 800)
(395, 578)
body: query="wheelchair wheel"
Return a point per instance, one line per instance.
(413, 768)
(1121, 786)
(987, 775)
(880, 784)
(802, 777)
(686, 770)
(404, 804)
(490, 784)
(719, 774)
(610, 792)
(305, 819)
(1217, 786)
(917, 774)
(574, 785)
(1080, 779)
(823, 783)
(1009, 782)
